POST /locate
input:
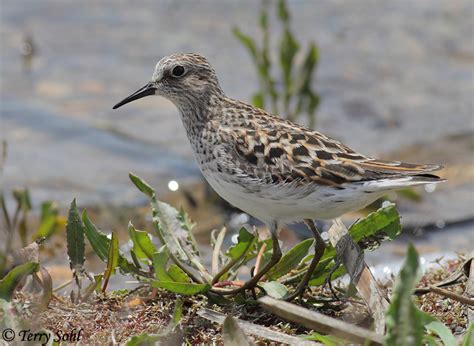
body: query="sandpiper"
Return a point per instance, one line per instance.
(273, 169)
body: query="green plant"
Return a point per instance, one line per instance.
(178, 267)
(406, 324)
(296, 95)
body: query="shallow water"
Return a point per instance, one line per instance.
(395, 79)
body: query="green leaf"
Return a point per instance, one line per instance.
(99, 241)
(432, 324)
(319, 277)
(232, 334)
(75, 238)
(23, 200)
(175, 231)
(247, 42)
(244, 241)
(142, 245)
(144, 339)
(275, 289)
(142, 185)
(327, 340)
(177, 313)
(49, 220)
(181, 287)
(283, 13)
(14, 277)
(305, 74)
(258, 100)
(404, 325)
(177, 274)
(290, 260)
(469, 336)
(160, 260)
(383, 224)
(112, 260)
(288, 49)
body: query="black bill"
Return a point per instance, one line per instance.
(147, 90)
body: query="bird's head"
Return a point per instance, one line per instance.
(181, 78)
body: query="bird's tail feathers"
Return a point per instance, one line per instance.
(395, 183)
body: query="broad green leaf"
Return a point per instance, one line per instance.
(175, 231)
(181, 287)
(275, 289)
(99, 241)
(142, 185)
(160, 261)
(112, 260)
(142, 245)
(244, 241)
(75, 237)
(432, 324)
(290, 260)
(177, 274)
(377, 226)
(232, 334)
(14, 277)
(404, 325)
(383, 224)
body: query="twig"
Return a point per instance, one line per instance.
(258, 262)
(229, 283)
(228, 266)
(453, 279)
(452, 295)
(255, 329)
(67, 283)
(319, 322)
(362, 277)
(217, 250)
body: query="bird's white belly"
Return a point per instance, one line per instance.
(273, 203)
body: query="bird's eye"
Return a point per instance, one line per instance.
(178, 71)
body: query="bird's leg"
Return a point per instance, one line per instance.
(276, 255)
(319, 247)
(328, 283)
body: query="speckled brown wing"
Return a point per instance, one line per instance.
(285, 152)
